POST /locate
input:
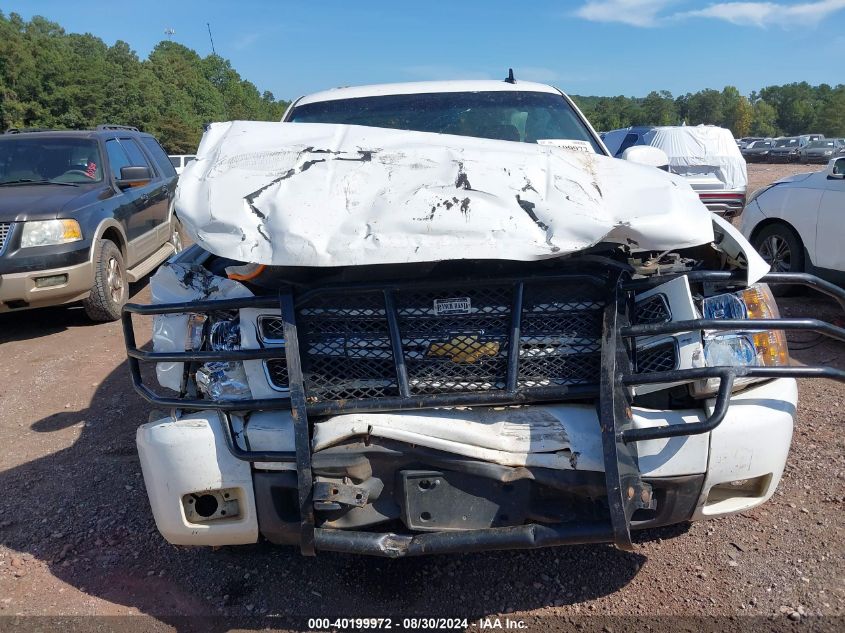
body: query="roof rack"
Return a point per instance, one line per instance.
(21, 130)
(112, 126)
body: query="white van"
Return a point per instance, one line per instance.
(180, 161)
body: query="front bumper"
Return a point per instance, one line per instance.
(635, 451)
(692, 476)
(23, 290)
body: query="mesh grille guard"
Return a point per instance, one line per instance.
(511, 380)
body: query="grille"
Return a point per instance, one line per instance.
(276, 370)
(271, 329)
(345, 347)
(661, 357)
(452, 341)
(456, 352)
(5, 229)
(560, 341)
(654, 309)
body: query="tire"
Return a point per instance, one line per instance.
(782, 249)
(111, 288)
(177, 235)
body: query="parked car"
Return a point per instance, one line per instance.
(82, 214)
(757, 151)
(745, 141)
(797, 223)
(804, 139)
(705, 155)
(785, 150)
(821, 151)
(180, 161)
(440, 318)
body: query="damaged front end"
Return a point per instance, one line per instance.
(442, 415)
(359, 364)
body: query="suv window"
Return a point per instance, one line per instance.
(509, 115)
(159, 155)
(136, 154)
(117, 156)
(176, 161)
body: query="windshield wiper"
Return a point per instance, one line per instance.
(26, 181)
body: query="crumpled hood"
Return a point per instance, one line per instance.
(302, 194)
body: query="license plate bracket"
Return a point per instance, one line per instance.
(435, 501)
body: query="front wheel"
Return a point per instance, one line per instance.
(177, 235)
(111, 288)
(781, 247)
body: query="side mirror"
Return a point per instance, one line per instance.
(836, 168)
(646, 155)
(134, 177)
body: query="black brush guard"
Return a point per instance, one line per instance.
(626, 492)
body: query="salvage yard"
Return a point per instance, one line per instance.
(77, 537)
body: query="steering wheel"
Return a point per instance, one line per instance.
(78, 172)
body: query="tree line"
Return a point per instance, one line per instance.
(791, 109)
(53, 79)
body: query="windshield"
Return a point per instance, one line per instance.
(786, 142)
(50, 159)
(526, 117)
(760, 144)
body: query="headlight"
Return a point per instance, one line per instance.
(219, 380)
(828, 152)
(743, 348)
(755, 348)
(45, 232)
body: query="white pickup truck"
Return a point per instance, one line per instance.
(440, 317)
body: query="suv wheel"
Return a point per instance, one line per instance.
(111, 289)
(176, 235)
(781, 247)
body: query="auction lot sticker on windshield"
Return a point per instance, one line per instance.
(572, 146)
(460, 305)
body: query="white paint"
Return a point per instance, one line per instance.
(812, 205)
(186, 456)
(752, 441)
(301, 194)
(732, 243)
(424, 87)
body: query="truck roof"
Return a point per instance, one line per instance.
(421, 87)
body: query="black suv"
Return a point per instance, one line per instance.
(82, 214)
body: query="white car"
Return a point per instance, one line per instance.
(440, 317)
(798, 223)
(180, 161)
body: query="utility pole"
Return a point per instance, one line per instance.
(213, 52)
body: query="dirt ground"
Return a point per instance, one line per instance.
(77, 537)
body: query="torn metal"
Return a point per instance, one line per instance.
(301, 194)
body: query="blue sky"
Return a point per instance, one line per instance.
(600, 47)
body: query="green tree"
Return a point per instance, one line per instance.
(706, 107)
(831, 117)
(659, 108)
(764, 120)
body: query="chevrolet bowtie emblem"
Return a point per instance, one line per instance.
(464, 348)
